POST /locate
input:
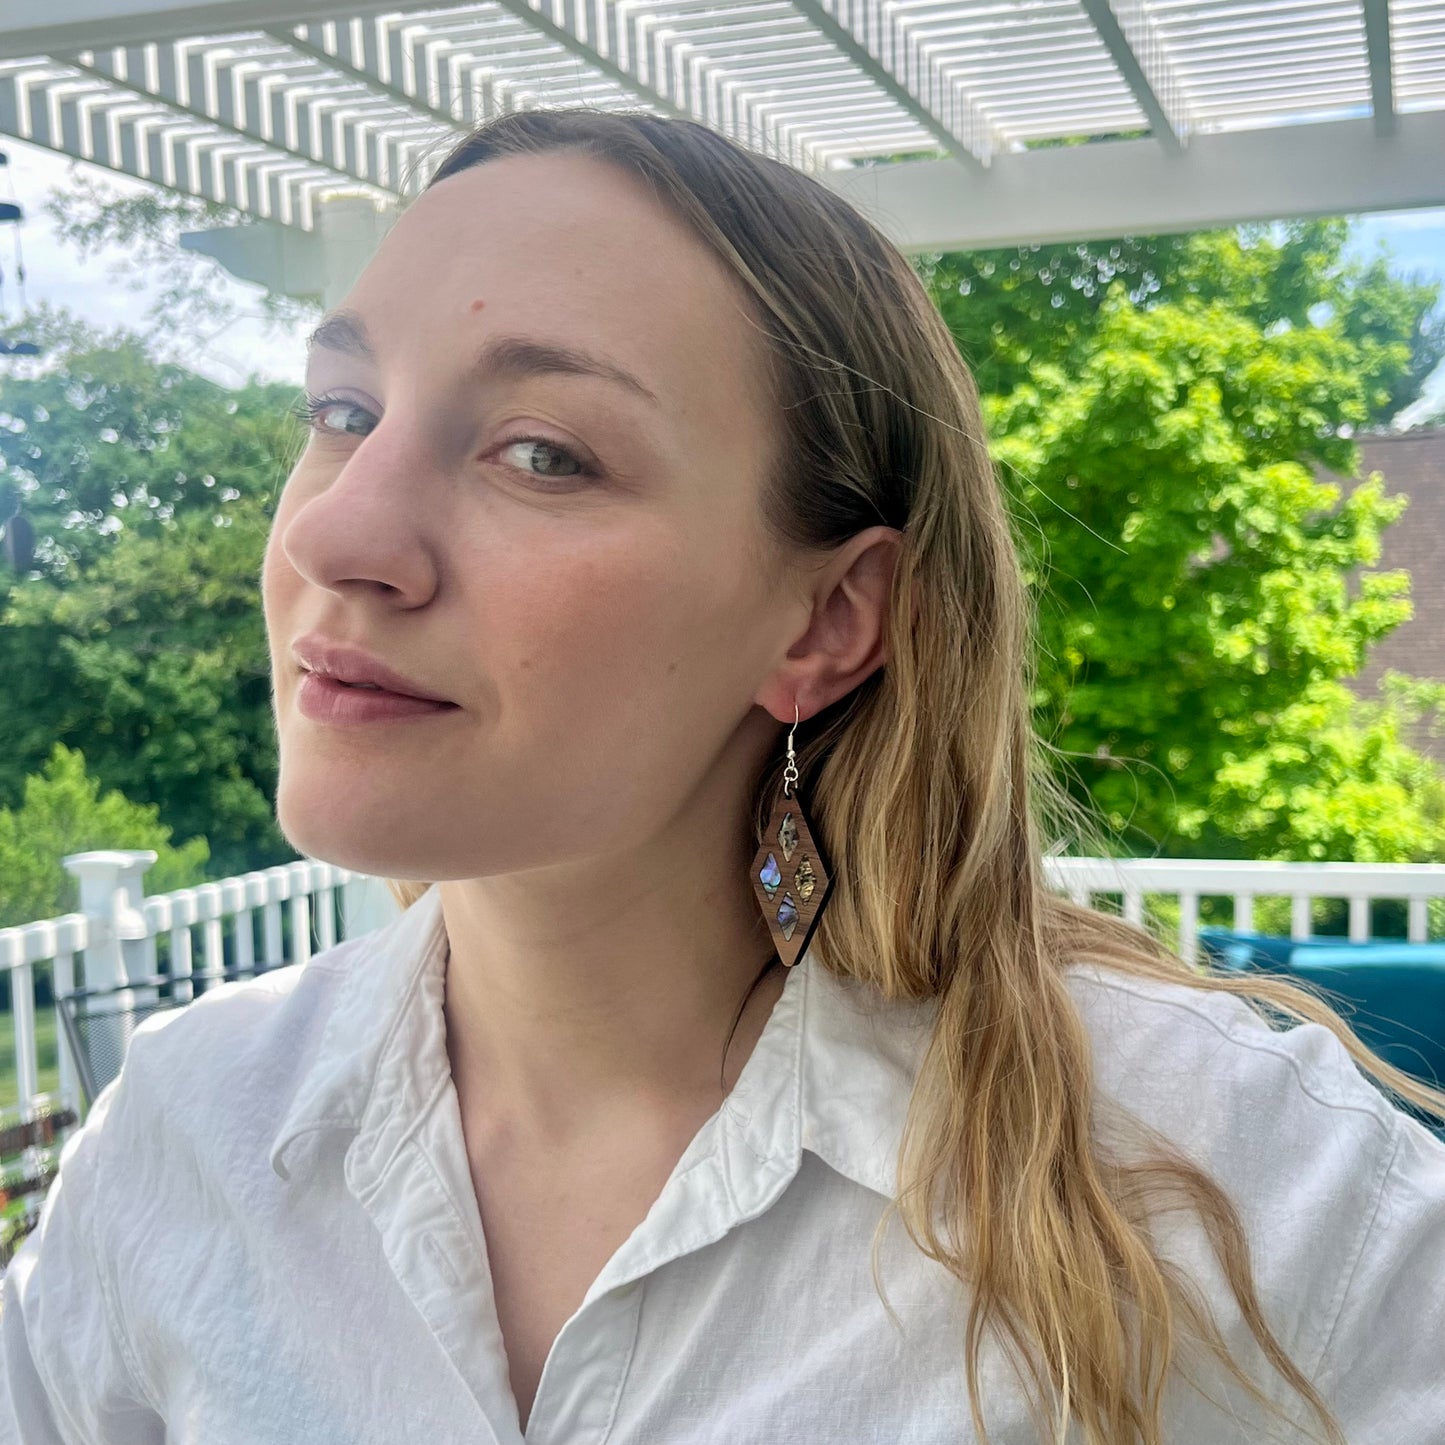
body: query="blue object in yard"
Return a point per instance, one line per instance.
(1239, 950)
(1273, 950)
(1391, 993)
(1393, 997)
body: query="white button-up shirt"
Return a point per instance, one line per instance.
(266, 1234)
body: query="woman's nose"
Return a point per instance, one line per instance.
(367, 527)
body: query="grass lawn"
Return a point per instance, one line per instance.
(47, 1074)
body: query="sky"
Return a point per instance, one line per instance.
(55, 273)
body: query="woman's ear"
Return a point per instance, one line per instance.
(846, 637)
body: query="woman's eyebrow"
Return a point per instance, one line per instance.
(515, 356)
(512, 356)
(341, 331)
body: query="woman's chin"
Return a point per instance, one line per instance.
(375, 841)
(337, 830)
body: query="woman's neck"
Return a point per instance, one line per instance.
(574, 1002)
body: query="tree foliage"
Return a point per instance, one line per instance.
(1337, 778)
(138, 636)
(1020, 306)
(1166, 413)
(109, 439)
(62, 811)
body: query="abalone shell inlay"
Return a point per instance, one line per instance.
(769, 876)
(787, 915)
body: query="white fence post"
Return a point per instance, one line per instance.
(62, 981)
(111, 893)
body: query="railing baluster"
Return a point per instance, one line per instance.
(300, 928)
(271, 927)
(213, 947)
(245, 936)
(1299, 916)
(182, 963)
(1359, 918)
(1244, 912)
(1189, 925)
(325, 918)
(62, 982)
(22, 1006)
(1418, 925)
(213, 937)
(1133, 904)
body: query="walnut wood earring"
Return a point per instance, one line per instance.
(791, 877)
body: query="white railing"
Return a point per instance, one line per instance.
(117, 928)
(1190, 879)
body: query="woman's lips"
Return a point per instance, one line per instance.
(325, 700)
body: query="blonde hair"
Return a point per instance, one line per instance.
(931, 790)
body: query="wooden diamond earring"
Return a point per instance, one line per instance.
(791, 876)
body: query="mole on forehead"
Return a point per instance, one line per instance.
(478, 303)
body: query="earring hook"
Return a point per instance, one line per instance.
(790, 773)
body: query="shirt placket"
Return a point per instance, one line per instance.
(442, 1271)
(719, 1184)
(582, 1379)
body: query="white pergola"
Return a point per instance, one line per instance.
(320, 118)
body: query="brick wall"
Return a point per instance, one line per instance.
(1412, 463)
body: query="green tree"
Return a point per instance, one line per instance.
(1161, 410)
(64, 812)
(1015, 307)
(108, 439)
(1336, 777)
(138, 636)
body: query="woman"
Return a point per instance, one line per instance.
(627, 448)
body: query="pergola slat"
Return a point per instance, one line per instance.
(1382, 90)
(273, 105)
(1128, 32)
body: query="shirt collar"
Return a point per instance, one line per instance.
(831, 1072)
(382, 996)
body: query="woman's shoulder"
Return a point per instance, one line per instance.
(1196, 1057)
(1340, 1194)
(200, 1083)
(256, 1029)
(1281, 1119)
(216, 1078)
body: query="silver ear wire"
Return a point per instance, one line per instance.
(790, 773)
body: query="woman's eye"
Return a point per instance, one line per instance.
(545, 459)
(335, 416)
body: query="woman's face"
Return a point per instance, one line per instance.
(575, 560)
